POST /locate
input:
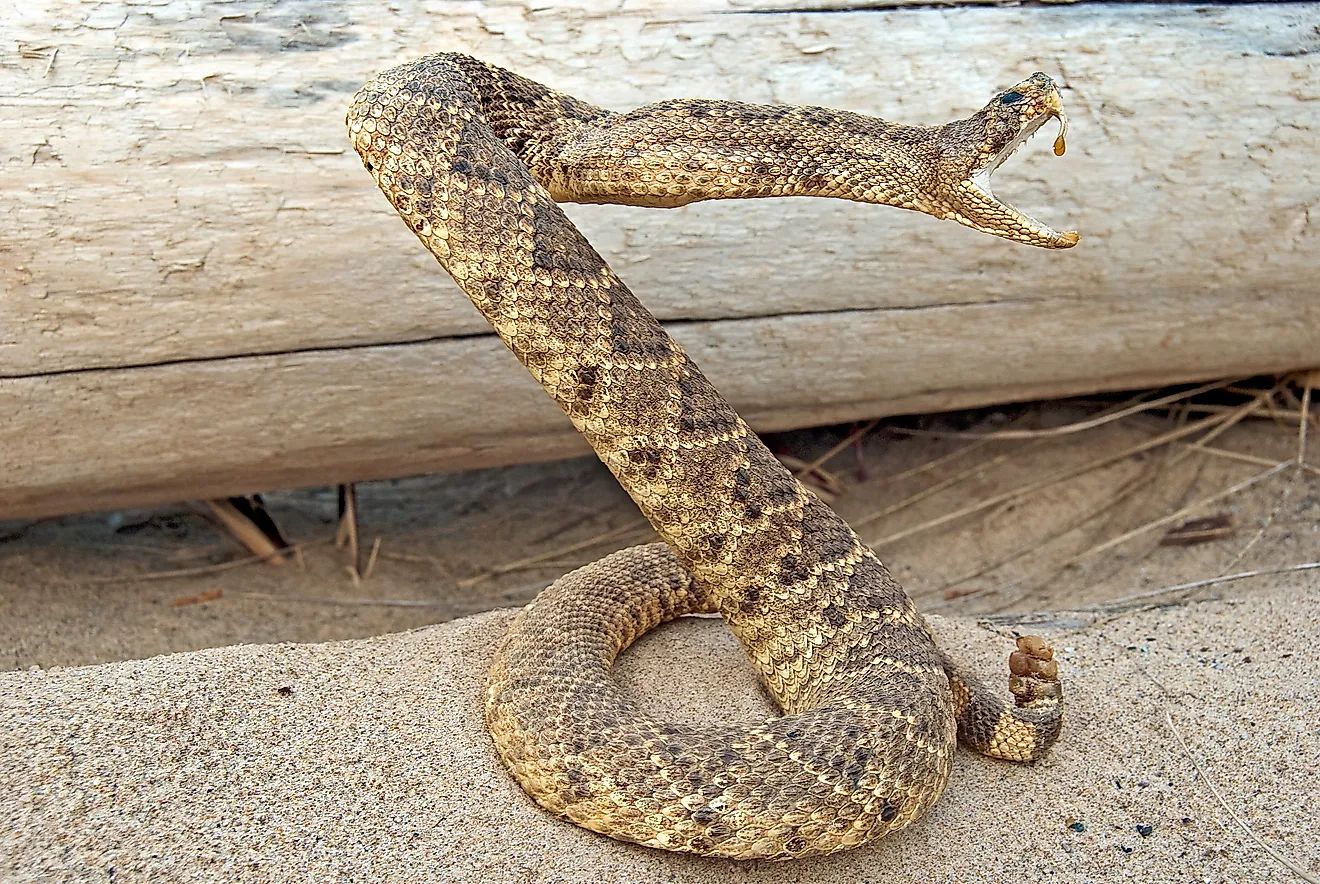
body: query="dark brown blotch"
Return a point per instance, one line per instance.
(792, 570)
(705, 815)
(587, 376)
(834, 616)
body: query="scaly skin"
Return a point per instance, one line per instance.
(473, 158)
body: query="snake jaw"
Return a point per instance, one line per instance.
(981, 210)
(1010, 121)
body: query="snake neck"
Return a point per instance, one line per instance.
(732, 150)
(672, 153)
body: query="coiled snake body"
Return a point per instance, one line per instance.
(473, 158)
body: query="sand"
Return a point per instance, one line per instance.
(367, 761)
(107, 587)
(257, 744)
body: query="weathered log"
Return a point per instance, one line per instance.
(204, 294)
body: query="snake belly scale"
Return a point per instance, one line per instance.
(474, 158)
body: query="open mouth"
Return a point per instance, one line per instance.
(1039, 231)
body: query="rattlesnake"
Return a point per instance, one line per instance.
(474, 157)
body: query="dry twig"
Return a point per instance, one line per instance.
(347, 532)
(1123, 602)
(200, 598)
(533, 561)
(188, 572)
(246, 531)
(1214, 790)
(1204, 530)
(1240, 457)
(1219, 424)
(1077, 427)
(822, 481)
(852, 437)
(1034, 544)
(371, 559)
(1174, 516)
(1071, 472)
(943, 484)
(352, 602)
(1296, 478)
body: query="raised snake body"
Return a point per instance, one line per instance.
(473, 158)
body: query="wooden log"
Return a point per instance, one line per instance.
(110, 438)
(204, 294)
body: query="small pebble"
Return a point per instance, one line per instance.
(1077, 826)
(1144, 829)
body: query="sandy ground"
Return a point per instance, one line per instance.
(99, 588)
(373, 766)
(367, 761)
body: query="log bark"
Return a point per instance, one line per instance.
(204, 294)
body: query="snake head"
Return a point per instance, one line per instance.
(972, 149)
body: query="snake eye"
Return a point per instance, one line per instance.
(1010, 98)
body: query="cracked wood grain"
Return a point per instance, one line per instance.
(177, 191)
(109, 438)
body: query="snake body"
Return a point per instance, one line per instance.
(474, 158)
